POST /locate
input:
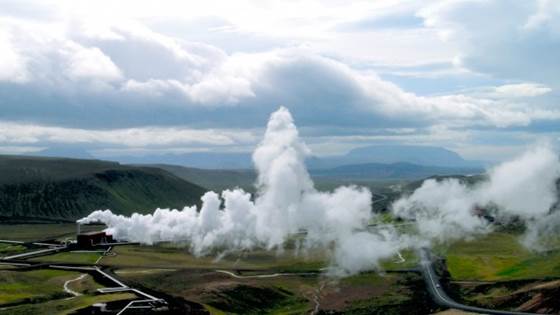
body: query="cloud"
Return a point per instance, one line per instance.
(91, 63)
(73, 66)
(510, 91)
(42, 53)
(199, 82)
(522, 90)
(20, 133)
(522, 44)
(12, 64)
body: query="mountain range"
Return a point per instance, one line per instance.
(385, 154)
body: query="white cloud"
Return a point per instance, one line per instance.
(42, 52)
(510, 91)
(522, 90)
(91, 63)
(522, 44)
(16, 133)
(12, 64)
(104, 64)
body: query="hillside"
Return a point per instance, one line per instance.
(57, 189)
(216, 180)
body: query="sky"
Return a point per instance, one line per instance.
(130, 77)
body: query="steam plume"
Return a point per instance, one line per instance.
(286, 203)
(523, 189)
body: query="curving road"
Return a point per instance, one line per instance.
(440, 297)
(274, 275)
(70, 291)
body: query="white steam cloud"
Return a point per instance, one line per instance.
(524, 190)
(286, 203)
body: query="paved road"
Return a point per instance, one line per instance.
(440, 297)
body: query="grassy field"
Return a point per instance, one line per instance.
(9, 249)
(170, 257)
(35, 232)
(171, 269)
(368, 293)
(41, 292)
(31, 286)
(71, 257)
(499, 257)
(64, 306)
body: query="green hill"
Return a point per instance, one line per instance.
(216, 180)
(59, 189)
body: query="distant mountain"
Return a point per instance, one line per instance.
(422, 155)
(56, 189)
(219, 180)
(385, 154)
(369, 171)
(389, 154)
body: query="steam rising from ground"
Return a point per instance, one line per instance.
(523, 190)
(286, 203)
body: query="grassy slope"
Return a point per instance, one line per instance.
(367, 293)
(63, 307)
(32, 286)
(499, 257)
(66, 189)
(164, 257)
(216, 180)
(32, 232)
(41, 292)
(70, 257)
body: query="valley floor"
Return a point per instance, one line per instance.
(489, 272)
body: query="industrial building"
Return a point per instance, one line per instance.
(93, 239)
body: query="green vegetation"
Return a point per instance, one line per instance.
(32, 286)
(10, 249)
(216, 180)
(71, 257)
(499, 257)
(367, 293)
(64, 306)
(57, 190)
(245, 299)
(169, 257)
(372, 293)
(34, 232)
(42, 292)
